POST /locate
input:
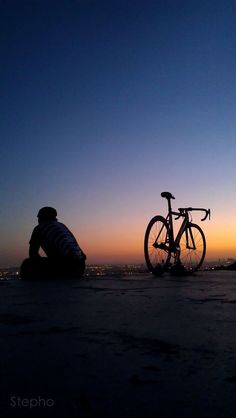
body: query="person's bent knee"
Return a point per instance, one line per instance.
(26, 269)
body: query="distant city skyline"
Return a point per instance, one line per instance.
(104, 105)
(120, 270)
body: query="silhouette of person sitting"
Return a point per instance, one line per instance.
(64, 255)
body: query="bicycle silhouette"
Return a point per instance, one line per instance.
(185, 252)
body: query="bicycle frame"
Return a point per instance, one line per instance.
(173, 243)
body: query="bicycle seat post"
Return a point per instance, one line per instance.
(169, 206)
(168, 196)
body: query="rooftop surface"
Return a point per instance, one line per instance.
(124, 347)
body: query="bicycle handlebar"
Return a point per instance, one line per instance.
(207, 212)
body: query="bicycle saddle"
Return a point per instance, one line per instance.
(167, 195)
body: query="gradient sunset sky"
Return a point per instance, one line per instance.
(104, 105)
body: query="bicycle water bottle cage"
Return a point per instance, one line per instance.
(167, 195)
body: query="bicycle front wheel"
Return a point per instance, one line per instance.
(156, 244)
(192, 248)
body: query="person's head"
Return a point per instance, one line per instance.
(47, 214)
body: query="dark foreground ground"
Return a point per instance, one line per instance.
(131, 347)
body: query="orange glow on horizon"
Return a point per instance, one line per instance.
(122, 242)
(221, 237)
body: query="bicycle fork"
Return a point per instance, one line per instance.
(190, 243)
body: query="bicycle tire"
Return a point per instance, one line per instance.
(192, 258)
(157, 259)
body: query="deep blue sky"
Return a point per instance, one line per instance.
(104, 104)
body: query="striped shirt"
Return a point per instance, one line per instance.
(55, 239)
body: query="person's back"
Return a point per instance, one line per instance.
(55, 239)
(64, 256)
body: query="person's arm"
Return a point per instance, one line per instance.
(34, 243)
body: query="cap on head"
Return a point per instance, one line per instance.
(47, 213)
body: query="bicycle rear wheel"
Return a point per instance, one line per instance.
(192, 248)
(156, 244)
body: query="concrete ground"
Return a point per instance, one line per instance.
(130, 347)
